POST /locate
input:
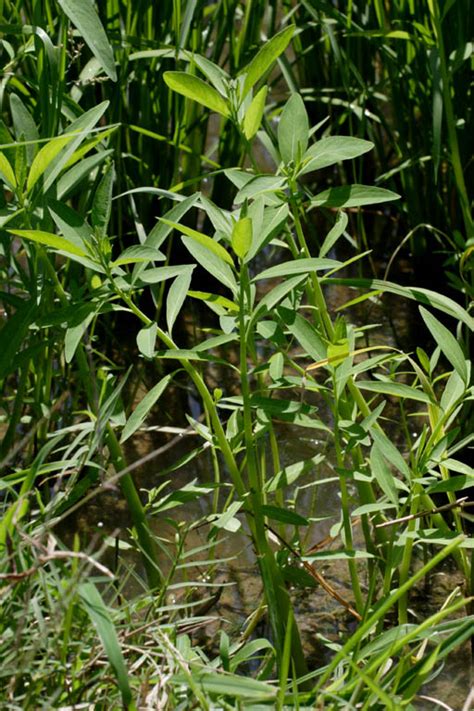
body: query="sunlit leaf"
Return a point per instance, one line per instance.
(254, 113)
(242, 236)
(196, 89)
(101, 617)
(265, 57)
(293, 130)
(50, 240)
(203, 240)
(333, 149)
(447, 342)
(146, 339)
(84, 16)
(176, 296)
(143, 408)
(345, 196)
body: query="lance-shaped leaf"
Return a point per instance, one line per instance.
(176, 296)
(447, 342)
(333, 149)
(102, 203)
(43, 159)
(298, 266)
(242, 237)
(382, 473)
(50, 240)
(265, 57)
(293, 130)
(146, 339)
(101, 618)
(254, 113)
(6, 172)
(84, 16)
(211, 262)
(334, 233)
(25, 125)
(196, 89)
(144, 406)
(345, 196)
(204, 240)
(79, 129)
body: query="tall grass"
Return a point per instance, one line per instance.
(400, 76)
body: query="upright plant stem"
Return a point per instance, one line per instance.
(346, 514)
(278, 601)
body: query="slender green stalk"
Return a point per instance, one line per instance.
(382, 610)
(346, 514)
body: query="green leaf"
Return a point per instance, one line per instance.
(284, 515)
(204, 240)
(394, 389)
(44, 158)
(297, 266)
(196, 89)
(78, 130)
(293, 130)
(211, 262)
(25, 125)
(454, 483)
(84, 16)
(390, 452)
(447, 342)
(72, 225)
(161, 230)
(159, 274)
(74, 334)
(288, 475)
(232, 685)
(221, 303)
(84, 171)
(217, 76)
(382, 474)
(277, 294)
(333, 149)
(139, 254)
(176, 296)
(254, 113)
(101, 618)
(258, 184)
(264, 58)
(102, 203)
(304, 332)
(50, 240)
(275, 366)
(345, 196)
(144, 406)
(274, 218)
(6, 172)
(146, 339)
(21, 165)
(242, 236)
(338, 352)
(248, 651)
(334, 233)
(227, 520)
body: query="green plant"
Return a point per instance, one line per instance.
(67, 272)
